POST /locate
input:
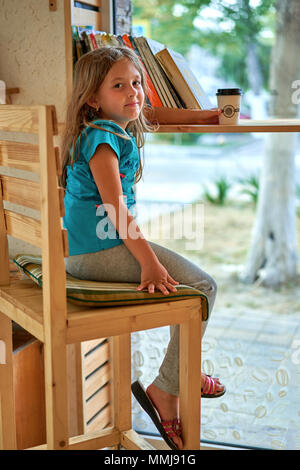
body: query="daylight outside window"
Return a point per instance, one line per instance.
(241, 194)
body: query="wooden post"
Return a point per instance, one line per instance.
(8, 438)
(190, 380)
(121, 385)
(4, 258)
(54, 291)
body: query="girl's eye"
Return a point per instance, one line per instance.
(135, 83)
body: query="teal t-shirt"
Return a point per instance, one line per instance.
(89, 228)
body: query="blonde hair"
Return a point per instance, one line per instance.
(89, 73)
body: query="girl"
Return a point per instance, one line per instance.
(101, 163)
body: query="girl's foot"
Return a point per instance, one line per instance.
(167, 406)
(211, 387)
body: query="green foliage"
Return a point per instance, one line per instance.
(219, 195)
(251, 187)
(176, 138)
(171, 20)
(173, 23)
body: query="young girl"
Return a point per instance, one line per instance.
(101, 163)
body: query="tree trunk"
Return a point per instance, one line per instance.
(253, 68)
(273, 254)
(255, 95)
(123, 16)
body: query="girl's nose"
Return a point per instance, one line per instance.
(132, 91)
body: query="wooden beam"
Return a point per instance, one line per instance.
(94, 323)
(19, 191)
(95, 440)
(132, 441)
(8, 439)
(190, 382)
(18, 309)
(23, 227)
(20, 155)
(245, 126)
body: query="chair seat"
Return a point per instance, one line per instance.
(107, 294)
(134, 310)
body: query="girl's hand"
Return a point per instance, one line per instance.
(155, 275)
(182, 116)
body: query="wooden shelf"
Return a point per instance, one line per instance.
(245, 126)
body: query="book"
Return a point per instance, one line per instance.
(170, 82)
(84, 44)
(154, 72)
(183, 79)
(155, 47)
(152, 95)
(93, 41)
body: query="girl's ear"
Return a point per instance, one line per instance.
(93, 102)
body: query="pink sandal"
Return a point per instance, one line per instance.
(172, 428)
(167, 429)
(210, 388)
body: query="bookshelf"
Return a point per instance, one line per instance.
(245, 126)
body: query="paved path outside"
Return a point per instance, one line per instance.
(257, 355)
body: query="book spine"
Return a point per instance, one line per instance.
(151, 73)
(126, 41)
(163, 86)
(152, 94)
(93, 41)
(178, 82)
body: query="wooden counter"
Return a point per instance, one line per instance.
(245, 126)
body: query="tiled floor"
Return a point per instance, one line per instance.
(257, 355)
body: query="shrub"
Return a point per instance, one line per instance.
(219, 195)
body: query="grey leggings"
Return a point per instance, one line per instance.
(117, 264)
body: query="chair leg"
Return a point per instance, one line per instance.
(8, 438)
(76, 400)
(121, 382)
(121, 377)
(56, 393)
(190, 379)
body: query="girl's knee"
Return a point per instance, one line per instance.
(208, 286)
(214, 286)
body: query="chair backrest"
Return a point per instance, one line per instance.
(43, 159)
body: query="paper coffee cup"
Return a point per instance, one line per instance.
(229, 101)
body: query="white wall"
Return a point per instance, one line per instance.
(32, 58)
(32, 52)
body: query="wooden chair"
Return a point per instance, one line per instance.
(47, 315)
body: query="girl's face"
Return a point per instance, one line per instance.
(120, 97)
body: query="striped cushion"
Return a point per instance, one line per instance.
(107, 294)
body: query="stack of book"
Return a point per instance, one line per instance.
(170, 81)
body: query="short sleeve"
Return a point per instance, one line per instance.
(91, 138)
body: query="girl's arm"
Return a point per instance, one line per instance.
(182, 116)
(104, 166)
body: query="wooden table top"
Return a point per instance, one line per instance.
(244, 126)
